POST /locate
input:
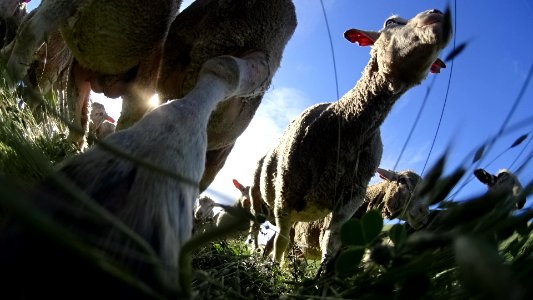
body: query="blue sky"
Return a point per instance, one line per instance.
(485, 82)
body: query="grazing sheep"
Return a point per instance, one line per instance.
(142, 193)
(392, 197)
(204, 210)
(326, 156)
(101, 124)
(201, 32)
(204, 213)
(243, 201)
(504, 181)
(116, 45)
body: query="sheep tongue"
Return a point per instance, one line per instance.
(437, 65)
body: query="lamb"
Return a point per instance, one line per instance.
(153, 194)
(326, 157)
(204, 210)
(101, 124)
(114, 55)
(505, 181)
(392, 196)
(243, 201)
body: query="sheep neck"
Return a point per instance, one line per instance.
(364, 108)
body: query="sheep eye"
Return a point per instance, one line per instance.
(501, 176)
(402, 180)
(393, 22)
(390, 22)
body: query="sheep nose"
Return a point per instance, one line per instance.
(436, 11)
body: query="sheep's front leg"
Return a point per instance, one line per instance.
(281, 241)
(33, 32)
(331, 241)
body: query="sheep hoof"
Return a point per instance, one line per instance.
(245, 76)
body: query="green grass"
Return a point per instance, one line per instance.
(476, 249)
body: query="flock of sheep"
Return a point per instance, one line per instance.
(211, 64)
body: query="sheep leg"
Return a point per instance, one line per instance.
(136, 101)
(281, 241)
(78, 91)
(331, 241)
(173, 137)
(33, 32)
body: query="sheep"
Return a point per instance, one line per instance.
(116, 45)
(392, 196)
(504, 181)
(204, 210)
(50, 66)
(243, 201)
(200, 32)
(157, 205)
(326, 157)
(101, 124)
(245, 26)
(204, 213)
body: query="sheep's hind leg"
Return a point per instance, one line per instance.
(33, 32)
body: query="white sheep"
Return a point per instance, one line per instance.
(243, 27)
(392, 196)
(504, 181)
(206, 209)
(200, 32)
(326, 157)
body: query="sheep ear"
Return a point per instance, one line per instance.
(485, 177)
(239, 186)
(364, 38)
(386, 174)
(110, 119)
(436, 66)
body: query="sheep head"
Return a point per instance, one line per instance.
(99, 115)
(399, 188)
(244, 200)
(405, 50)
(505, 182)
(203, 209)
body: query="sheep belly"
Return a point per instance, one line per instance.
(102, 38)
(309, 214)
